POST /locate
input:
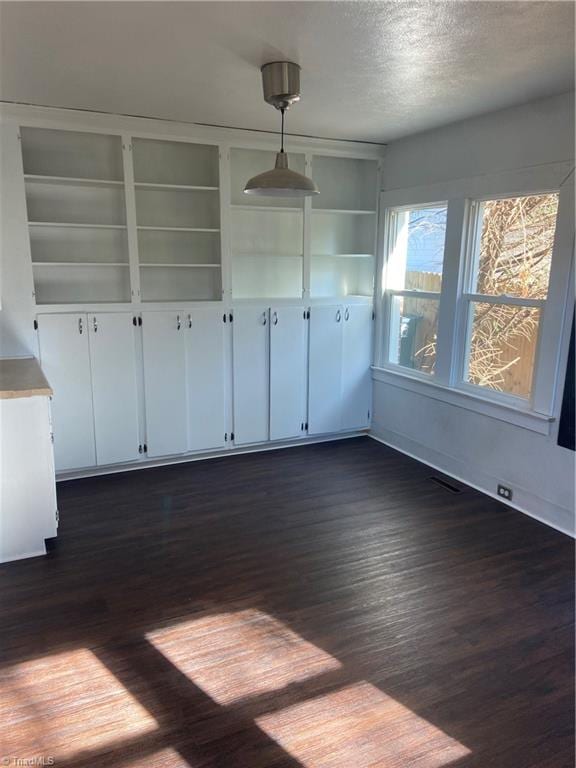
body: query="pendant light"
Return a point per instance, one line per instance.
(281, 83)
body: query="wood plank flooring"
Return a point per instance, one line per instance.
(326, 606)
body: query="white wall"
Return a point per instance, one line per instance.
(17, 337)
(478, 449)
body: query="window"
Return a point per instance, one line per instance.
(506, 286)
(415, 259)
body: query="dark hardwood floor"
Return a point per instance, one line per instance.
(327, 606)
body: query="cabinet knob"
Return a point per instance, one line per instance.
(264, 319)
(347, 314)
(338, 316)
(178, 323)
(80, 326)
(275, 318)
(189, 321)
(95, 323)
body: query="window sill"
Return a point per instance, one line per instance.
(519, 417)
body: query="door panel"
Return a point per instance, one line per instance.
(113, 360)
(251, 375)
(65, 359)
(325, 369)
(164, 345)
(287, 372)
(356, 360)
(205, 377)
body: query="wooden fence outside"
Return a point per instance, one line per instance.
(517, 378)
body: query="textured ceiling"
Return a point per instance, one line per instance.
(370, 70)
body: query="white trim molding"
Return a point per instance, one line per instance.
(465, 398)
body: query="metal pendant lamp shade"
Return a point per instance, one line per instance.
(281, 83)
(281, 182)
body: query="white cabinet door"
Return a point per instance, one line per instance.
(325, 369)
(65, 359)
(205, 366)
(114, 394)
(164, 346)
(356, 360)
(250, 340)
(287, 371)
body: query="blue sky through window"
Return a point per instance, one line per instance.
(426, 235)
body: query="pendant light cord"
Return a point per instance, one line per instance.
(282, 131)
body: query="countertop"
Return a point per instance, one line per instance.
(22, 377)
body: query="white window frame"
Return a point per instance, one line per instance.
(448, 382)
(390, 293)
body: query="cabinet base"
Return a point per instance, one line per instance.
(256, 447)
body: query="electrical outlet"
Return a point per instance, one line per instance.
(506, 493)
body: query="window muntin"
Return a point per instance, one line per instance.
(414, 265)
(509, 262)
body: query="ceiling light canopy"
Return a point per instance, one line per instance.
(281, 84)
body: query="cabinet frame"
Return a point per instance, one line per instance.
(128, 129)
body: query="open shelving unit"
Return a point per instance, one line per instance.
(267, 234)
(343, 227)
(177, 196)
(77, 216)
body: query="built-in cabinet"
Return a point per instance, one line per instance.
(184, 380)
(90, 362)
(178, 315)
(339, 369)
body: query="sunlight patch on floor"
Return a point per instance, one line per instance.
(63, 704)
(234, 656)
(362, 727)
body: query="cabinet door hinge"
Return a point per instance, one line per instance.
(35, 325)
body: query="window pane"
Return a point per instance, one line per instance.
(503, 347)
(417, 252)
(413, 330)
(515, 249)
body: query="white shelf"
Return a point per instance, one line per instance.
(176, 187)
(277, 209)
(344, 210)
(185, 266)
(72, 180)
(268, 255)
(75, 226)
(342, 256)
(178, 229)
(80, 264)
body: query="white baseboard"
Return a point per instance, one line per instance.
(558, 518)
(14, 558)
(111, 469)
